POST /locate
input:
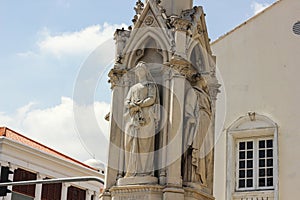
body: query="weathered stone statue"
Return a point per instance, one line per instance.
(140, 121)
(198, 119)
(154, 118)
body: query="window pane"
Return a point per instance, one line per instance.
(270, 162)
(270, 153)
(270, 143)
(262, 154)
(242, 183)
(242, 174)
(250, 183)
(262, 172)
(242, 164)
(249, 164)
(250, 154)
(16, 196)
(261, 182)
(242, 145)
(242, 155)
(270, 172)
(262, 144)
(270, 182)
(262, 163)
(249, 145)
(249, 173)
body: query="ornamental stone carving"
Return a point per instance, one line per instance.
(115, 76)
(149, 20)
(181, 24)
(139, 7)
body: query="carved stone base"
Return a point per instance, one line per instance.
(195, 194)
(137, 192)
(154, 192)
(172, 193)
(198, 187)
(144, 180)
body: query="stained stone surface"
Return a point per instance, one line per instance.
(162, 117)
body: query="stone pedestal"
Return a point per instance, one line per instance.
(194, 194)
(151, 80)
(171, 193)
(137, 192)
(154, 192)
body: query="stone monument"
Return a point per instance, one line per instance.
(162, 117)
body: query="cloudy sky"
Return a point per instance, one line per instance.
(48, 52)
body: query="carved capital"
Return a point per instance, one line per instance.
(115, 76)
(184, 68)
(181, 24)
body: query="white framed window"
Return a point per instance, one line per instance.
(255, 164)
(252, 158)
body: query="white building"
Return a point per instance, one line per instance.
(257, 154)
(30, 160)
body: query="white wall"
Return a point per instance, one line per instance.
(260, 66)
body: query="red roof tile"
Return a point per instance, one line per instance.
(8, 133)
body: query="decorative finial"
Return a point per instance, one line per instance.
(252, 115)
(139, 7)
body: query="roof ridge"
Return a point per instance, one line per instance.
(46, 147)
(245, 22)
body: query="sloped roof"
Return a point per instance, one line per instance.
(246, 22)
(13, 135)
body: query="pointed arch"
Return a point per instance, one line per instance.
(198, 56)
(138, 46)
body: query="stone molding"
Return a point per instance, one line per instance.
(191, 193)
(135, 188)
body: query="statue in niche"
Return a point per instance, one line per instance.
(140, 124)
(197, 121)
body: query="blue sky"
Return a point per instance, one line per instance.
(44, 45)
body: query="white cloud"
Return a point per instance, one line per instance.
(76, 43)
(258, 7)
(55, 127)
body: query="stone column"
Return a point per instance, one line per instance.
(64, 191)
(115, 166)
(181, 28)
(89, 194)
(38, 187)
(174, 147)
(164, 131)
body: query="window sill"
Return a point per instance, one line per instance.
(265, 194)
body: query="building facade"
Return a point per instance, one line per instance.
(30, 160)
(257, 154)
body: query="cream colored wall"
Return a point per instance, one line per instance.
(260, 66)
